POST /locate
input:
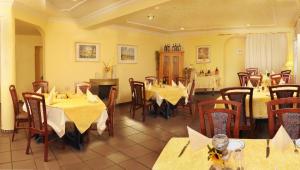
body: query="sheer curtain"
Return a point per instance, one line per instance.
(267, 51)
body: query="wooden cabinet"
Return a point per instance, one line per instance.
(170, 65)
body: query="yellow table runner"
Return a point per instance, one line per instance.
(254, 157)
(169, 93)
(79, 110)
(258, 104)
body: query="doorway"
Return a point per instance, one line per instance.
(38, 50)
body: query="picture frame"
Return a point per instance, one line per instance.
(127, 54)
(87, 51)
(203, 54)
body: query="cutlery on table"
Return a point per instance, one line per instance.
(183, 149)
(268, 148)
(295, 150)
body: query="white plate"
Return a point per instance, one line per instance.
(235, 144)
(297, 143)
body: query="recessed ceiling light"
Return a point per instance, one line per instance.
(181, 28)
(156, 8)
(150, 17)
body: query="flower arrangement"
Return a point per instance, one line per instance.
(107, 67)
(215, 156)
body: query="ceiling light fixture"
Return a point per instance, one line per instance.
(182, 28)
(150, 17)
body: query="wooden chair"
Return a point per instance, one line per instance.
(181, 102)
(255, 80)
(110, 111)
(286, 72)
(252, 71)
(131, 90)
(219, 120)
(243, 95)
(36, 108)
(289, 118)
(284, 91)
(243, 77)
(286, 78)
(140, 100)
(40, 84)
(19, 116)
(83, 86)
(183, 80)
(275, 79)
(151, 79)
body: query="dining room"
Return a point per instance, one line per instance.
(149, 84)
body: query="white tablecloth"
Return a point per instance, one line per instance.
(57, 119)
(207, 82)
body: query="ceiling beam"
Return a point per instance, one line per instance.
(116, 10)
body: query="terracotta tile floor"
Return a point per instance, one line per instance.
(136, 145)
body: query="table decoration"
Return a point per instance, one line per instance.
(218, 154)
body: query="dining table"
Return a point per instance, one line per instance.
(252, 157)
(75, 108)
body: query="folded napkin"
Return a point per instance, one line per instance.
(149, 86)
(39, 90)
(180, 85)
(53, 90)
(90, 97)
(174, 84)
(281, 82)
(50, 98)
(249, 84)
(281, 140)
(78, 90)
(197, 140)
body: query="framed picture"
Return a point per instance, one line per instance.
(87, 51)
(127, 53)
(203, 54)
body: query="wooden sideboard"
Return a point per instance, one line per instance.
(101, 87)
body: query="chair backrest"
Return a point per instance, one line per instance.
(131, 85)
(243, 77)
(286, 78)
(255, 80)
(286, 72)
(40, 84)
(183, 80)
(14, 97)
(219, 119)
(284, 91)
(242, 95)
(36, 109)
(83, 86)
(289, 118)
(150, 79)
(275, 79)
(191, 90)
(252, 71)
(139, 93)
(111, 102)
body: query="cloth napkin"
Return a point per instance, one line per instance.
(249, 84)
(78, 90)
(53, 90)
(180, 85)
(281, 140)
(149, 86)
(39, 90)
(197, 140)
(281, 82)
(174, 84)
(90, 97)
(50, 98)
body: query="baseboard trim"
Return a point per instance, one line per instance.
(6, 131)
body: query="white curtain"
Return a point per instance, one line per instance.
(267, 51)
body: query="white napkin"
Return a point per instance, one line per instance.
(281, 82)
(50, 98)
(149, 86)
(53, 90)
(197, 140)
(39, 90)
(249, 84)
(78, 90)
(174, 84)
(273, 72)
(180, 85)
(281, 140)
(90, 97)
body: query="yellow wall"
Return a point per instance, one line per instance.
(62, 70)
(25, 61)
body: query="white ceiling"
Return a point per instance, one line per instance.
(171, 15)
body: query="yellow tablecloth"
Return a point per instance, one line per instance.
(79, 110)
(258, 104)
(254, 157)
(169, 93)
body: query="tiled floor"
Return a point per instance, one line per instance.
(135, 145)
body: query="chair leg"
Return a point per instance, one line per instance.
(28, 142)
(191, 108)
(46, 148)
(15, 131)
(133, 111)
(144, 115)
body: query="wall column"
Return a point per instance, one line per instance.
(7, 62)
